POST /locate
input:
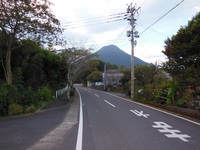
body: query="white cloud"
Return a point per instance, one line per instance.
(150, 44)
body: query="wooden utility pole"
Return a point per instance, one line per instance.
(131, 11)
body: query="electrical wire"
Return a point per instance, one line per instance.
(95, 21)
(95, 18)
(162, 17)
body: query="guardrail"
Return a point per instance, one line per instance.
(61, 91)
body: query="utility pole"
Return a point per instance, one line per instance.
(104, 78)
(131, 10)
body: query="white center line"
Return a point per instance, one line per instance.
(96, 95)
(109, 103)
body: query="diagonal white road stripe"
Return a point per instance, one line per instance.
(109, 103)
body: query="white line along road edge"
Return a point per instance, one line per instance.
(80, 127)
(156, 109)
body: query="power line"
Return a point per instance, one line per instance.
(96, 21)
(117, 39)
(96, 18)
(162, 17)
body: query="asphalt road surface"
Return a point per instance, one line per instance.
(52, 128)
(99, 121)
(113, 123)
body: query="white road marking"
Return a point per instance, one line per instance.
(96, 95)
(165, 128)
(140, 114)
(90, 91)
(109, 103)
(80, 127)
(55, 137)
(155, 109)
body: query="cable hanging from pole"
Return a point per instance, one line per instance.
(131, 11)
(161, 17)
(95, 21)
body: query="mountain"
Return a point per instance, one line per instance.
(116, 56)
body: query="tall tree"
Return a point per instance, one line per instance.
(22, 19)
(183, 52)
(95, 76)
(75, 58)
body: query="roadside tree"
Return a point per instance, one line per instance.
(25, 19)
(75, 58)
(183, 52)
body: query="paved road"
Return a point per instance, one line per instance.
(53, 128)
(112, 123)
(99, 121)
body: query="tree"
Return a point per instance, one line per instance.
(183, 52)
(95, 76)
(22, 19)
(145, 74)
(75, 58)
(87, 68)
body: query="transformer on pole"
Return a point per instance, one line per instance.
(131, 11)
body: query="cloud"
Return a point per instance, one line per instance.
(150, 53)
(100, 33)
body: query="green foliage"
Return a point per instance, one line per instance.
(28, 96)
(95, 76)
(90, 67)
(44, 94)
(126, 77)
(148, 92)
(15, 109)
(36, 67)
(31, 108)
(145, 74)
(183, 52)
(166, 93)
(16, 99)
(180, 103)
(20, 19)
(8, 95)
(188, 97)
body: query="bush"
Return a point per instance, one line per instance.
(31, 108)
(14, 98)
(15, 109)
(28, 96)
(72, 92)
(44, 94)
(180, 103)
(8, 95)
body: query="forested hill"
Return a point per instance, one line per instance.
(116, 56)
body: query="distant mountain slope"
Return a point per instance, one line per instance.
(116, 56)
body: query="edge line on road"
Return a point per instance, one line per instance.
(155, 109)
(80, 127)
(109, 103)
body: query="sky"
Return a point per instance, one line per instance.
(98, 23)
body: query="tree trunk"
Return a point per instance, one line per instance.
(68, 92)
(68, 83)
(8, 72)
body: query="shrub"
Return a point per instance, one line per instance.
(27, 96)
(44, 94)
(8, 95)
(31, 109)
(15, 109)
(180, 103)
(72, 92)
